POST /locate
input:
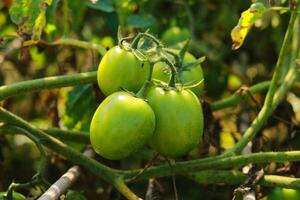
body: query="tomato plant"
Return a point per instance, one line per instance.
(188, 73)
(121, 125)
(58, 43)
(179, 121)
(120, 69)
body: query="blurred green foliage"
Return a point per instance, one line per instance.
(207, 23)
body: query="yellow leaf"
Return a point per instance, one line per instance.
(246, 21)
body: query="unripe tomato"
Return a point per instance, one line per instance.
(283, 194)
(188, 75)
(121, 69)
(179, 121)
(121, 125)
(174, 35)
(234, 82)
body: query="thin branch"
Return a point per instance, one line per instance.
(47, 83)
(108, 174)
(76, 157)
(239, 96)
(115, 176)
(215, 163)
(39, 177)
(122, 187)
(65, 181)
(269, 106)
(234, 177)
(68, 135)
(264, 113)
(76, 43)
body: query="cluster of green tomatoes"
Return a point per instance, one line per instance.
(152, 99)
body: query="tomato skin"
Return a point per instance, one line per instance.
(189, 75)
(179, 121)
(161, 72)
(121, 69)
(283, 194)
(121, 125)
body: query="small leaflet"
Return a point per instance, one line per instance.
(246, 21)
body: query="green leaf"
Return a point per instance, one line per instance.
(247, 19)
(140, 21)
(103, 5)
(29, 15)
(80, 106)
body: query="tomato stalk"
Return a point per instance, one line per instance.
(142, 91)
(173, 70)
(177, 58)
(139, 36)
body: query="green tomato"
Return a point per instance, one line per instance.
(283, 194)
(107, 42)
(174, 35)
(121, 69)
(121, 125)
(187, 74)
(234, 82)
(179, 121)
(16, 196)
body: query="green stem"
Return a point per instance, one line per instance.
(146, 85)
(122, 187)
(15, 186)
(64, 135)
(234, 177)
(102, 171)
(73, 136)
(47, 83)
(238, 97)
(265, 112)
(165, 59)
(112, 175)
(190, 19)
(39, 177)
(43, 159)
(136, 40)
(269, 106)
(280, 62)
(76, 43)
(66, 17)
(217, 163)
(174, 54)
(278, 8)
(106, 173)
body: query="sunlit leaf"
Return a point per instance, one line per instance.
(247, 19)
(30, 17)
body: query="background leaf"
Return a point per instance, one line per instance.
(103, 5)
(29, 15)
(140, 21)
